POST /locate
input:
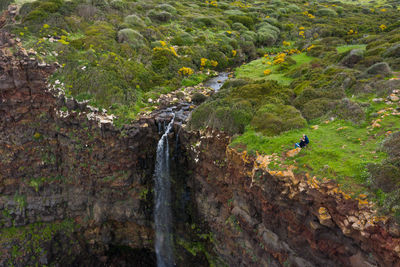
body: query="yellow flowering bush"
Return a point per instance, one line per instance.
(214, 63)
(203, 62)
(301, 33)
(212, 3)
(280, 58)
(267, 72)
(171, 49)
(311, 16)
(310, 47)
(286, 43)
(63, 40)
(382, 27)
(185, 71)
(234, 52)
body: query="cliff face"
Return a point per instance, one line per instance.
(261, 217)
(56, 164)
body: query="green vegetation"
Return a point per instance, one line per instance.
(307, 63)
(29, 243)
(255, 69)
(345, 48)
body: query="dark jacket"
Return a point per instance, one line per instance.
(306, 139)
(302, 143)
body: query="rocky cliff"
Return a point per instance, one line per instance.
(261, 217)
(61, 160)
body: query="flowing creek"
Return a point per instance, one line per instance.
(217, 81)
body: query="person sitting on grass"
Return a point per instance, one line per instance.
(303, 142)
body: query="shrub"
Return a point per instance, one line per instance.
(132, 37)
(384, 176)
(267, 35)
(257, 92)
(101, 36)
(369, 61)
(167, 8)
(317, 108)
(118, 4)
(222, 115)
(349, 110)
(381, 68)
(234, 83)
(321, 50)
(204, 21)
(306, 95)
(272, 119)
(198, 98)
(164, 61)
(326, 12)
(293, 8)
(161, 16)
(249, 36)
(391, 145)
(237, 26)
(183, 38)
(245, 20)
(393, 51)
(134, 20)
(248, 49)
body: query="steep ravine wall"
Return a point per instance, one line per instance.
(265, 218)
(57, 165)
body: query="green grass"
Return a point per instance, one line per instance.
(341, 155)
(345, 48)
(255, 69)
(21, 2)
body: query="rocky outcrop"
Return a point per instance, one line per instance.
(261, 217)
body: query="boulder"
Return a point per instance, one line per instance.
(353, 58)
(381, 68)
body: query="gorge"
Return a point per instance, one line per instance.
(78, 188)
(94, 194)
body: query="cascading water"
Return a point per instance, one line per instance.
(162, 211)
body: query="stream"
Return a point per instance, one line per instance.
(217, 81)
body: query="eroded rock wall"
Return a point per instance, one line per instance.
(265, 218)
(61, 160)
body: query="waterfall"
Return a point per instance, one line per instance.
(162, 211)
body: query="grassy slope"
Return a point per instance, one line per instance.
(255, 69)
(345, 48)
(338, 149)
